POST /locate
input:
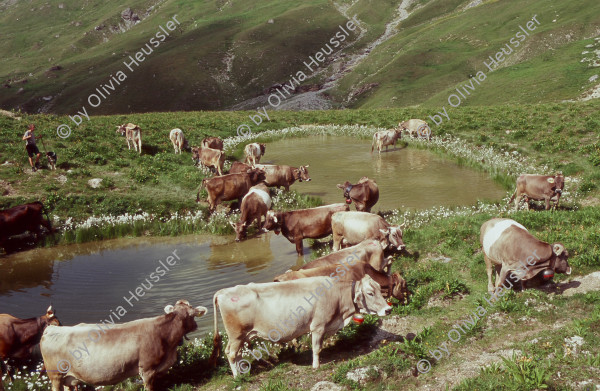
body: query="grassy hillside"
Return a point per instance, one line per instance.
(225, 52)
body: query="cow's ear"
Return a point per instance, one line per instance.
(308, 165)
(339, 186)
(169, 309)
(358, 294)
(232, 224)
(558, 249)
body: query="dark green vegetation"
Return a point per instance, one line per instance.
(225, 52)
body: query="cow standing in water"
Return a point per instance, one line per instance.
(364, 194)
(255, 206)
(385, 138)
(538, 188)
(23, 218)
(18, 337)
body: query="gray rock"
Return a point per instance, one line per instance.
(95, 183)
(363, 375)
(326, 386)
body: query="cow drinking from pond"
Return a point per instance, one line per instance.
(509, 248)
(255, 206)
(538, 188)
(22, 218)
(364, 194)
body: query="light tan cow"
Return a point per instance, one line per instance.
(253, 153)
(283, 311)
(133, 134)
(416, 128)
(538, 188)
(354, 227)
(385, 138)
(178, 139)
(209, 157)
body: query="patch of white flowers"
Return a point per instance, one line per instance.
(33, 379)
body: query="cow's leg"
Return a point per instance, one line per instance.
(337, 241)
(547, 199)
(317, 342)
(298, 240)
(232, 352)
(148, 378)
(287, 187)
(502, 276)
(517, 200)
(489, 266)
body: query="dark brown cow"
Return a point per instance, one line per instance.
(296, 225)
(368, 251)
(285, 176)
(255, 206)
(238, 167)
(230, 187)
(209, 157)
(507, 245)
(18, 337)
(212, 142)
(364, 194)
(22, 218)
(538, 188)
(393, 285)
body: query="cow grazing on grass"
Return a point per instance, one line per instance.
(278, 176)
(354, 227)
(230, 187)
(509, 248)
(146, 347)
(368, 251)
(253, 153)
(391, 286)
(212, 142)
(364, 194)
(210, 158)
(23, 218)
(262, 310)
(385, 138)
(18, 337)
(178, 139)
(416, 128)
(254, 207)
(296, 225)
(132, 134)
(538, 188)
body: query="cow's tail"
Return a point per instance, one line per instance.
(217, 339)
(373, 142)
(513, 196)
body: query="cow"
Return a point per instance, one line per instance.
(365, 193)
(538, 188)
(255, 206)
(261, 310)
(368, 251)
(278, 176)
(296, 225)
(354, 227)
(18, 337)
(212, 142)
(253, 153)
(416, 128)
(132, 134)
(178, 139)
(237, 167)
(22, 218)
(230, 187)
(210, 158)
(108, 355)
(394, 285)
(385, 138)
(507, 245)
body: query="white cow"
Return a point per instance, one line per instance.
(133, 134)
(178, 139)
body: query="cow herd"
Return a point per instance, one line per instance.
(297, 302)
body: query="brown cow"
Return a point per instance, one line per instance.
(365, 193)
(212, 142)
(507, 245)
(538, 188)
(354, 227)
(238, 167)
(133, 134)
(110, 354)
(208, 157)
(285, 176)
(255, 206)
(230, 187)
(416, 128)
(22, 218)
(254, 152)
(296, 225)
(18, 337)
(368, 251)
(393, 285)
(385, 138)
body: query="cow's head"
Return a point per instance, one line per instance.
(559, 262)
(347, 186)
(402, 126)
(121, 129)
(256, 175)
(183, 310)
(195, 154)
(50, 317)
(273, 222)
(301, 174)
(559, 182)
(399, 290)
(240, 230)
(392, 237)
(262, 148)
(368, 297)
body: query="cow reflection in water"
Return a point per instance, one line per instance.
(254, 253)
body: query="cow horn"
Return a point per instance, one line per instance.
(402, 225)
(50, 309)
(558, 249)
